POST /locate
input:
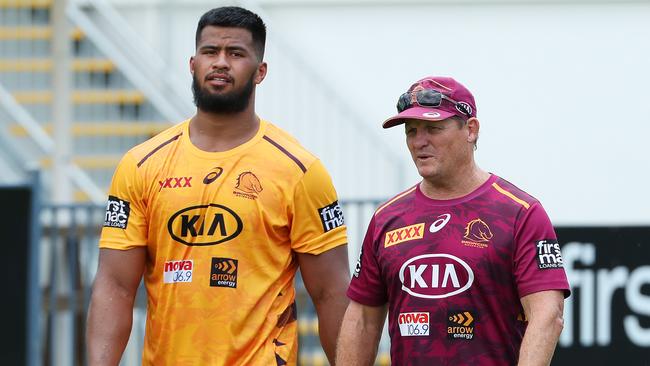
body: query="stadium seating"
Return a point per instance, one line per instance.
(109, 114)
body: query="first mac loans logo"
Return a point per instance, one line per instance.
(117, 213)
(548, 254)
(331, 216)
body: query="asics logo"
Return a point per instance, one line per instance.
(431, 114)
(439, 223)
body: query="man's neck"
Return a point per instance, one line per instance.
(461, 184)
(222, 132)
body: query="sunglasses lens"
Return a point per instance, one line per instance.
(403, 102)
(429, 98)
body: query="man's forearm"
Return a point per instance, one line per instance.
(330, 315)
(359, 338)
(539, 342)
(110, 317)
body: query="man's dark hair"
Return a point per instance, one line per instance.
(235, 17)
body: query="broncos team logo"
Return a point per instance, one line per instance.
(478, 231)
(248, 182)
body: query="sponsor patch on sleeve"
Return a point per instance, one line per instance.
(117, 213)
(548, 254)
(357, 268)
(331, 216)
(413, 324)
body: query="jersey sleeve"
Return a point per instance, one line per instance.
(125, 226)
(537, 259)
(367, 287)
(317, 222)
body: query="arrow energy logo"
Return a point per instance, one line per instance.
(460, 325)
(223, 272)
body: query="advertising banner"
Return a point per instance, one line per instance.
(607, 317)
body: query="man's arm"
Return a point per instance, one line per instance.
(544, 313)
(326, 278)
(110, 314)
(360, 334)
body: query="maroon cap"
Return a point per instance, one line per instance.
(447, 86)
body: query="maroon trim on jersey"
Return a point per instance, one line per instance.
(295, 159)
(158, 148)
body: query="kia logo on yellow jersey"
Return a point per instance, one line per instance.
(204, 225)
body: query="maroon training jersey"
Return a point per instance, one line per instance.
(453, 271)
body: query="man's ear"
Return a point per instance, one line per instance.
(473, 127)
(260, 74)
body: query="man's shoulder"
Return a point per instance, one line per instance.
(144, 150)
(512, 194)
(397, 203)
(288, 147)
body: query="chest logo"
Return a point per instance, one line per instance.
(460, 325)
(477, 234)
(204, 225)
(223, 272)
(213, 175)
(403, 234)
(439, 223)
(175, 182)
(178, 271)
(413, 324)
(248, 186)
(435, 276)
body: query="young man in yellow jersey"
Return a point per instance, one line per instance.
(217, 213)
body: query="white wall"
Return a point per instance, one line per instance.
(561, 89)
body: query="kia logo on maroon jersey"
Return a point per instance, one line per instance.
(435, 276)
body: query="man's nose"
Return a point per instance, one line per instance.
(220, 61)
(420, 139)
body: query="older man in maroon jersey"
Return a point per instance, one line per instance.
(466, 264)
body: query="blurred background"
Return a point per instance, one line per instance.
(561, 90)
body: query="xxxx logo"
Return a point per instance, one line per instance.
(174, 182)
(403, 234)
(464, 318)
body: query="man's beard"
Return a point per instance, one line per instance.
(233, 102)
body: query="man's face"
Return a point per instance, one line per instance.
(438, 148)
(225, 70)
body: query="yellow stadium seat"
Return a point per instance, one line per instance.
(117, 128)
(35, 32)
(83, 97)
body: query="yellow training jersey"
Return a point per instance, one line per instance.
(221, 230)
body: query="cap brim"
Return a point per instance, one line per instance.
(421, 113)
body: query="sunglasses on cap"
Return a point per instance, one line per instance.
(428, 98)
